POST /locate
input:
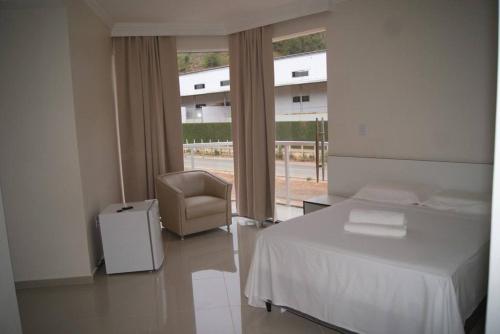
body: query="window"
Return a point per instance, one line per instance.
(208, 118)
(303, 98)
(297, 74)
(299, 102)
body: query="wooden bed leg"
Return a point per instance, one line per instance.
(268, 306)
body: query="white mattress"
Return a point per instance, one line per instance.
(428, 282)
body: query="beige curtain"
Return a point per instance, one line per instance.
(149, 111)
(252, 108)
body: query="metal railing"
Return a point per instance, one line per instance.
(228, 144)
(317, 148)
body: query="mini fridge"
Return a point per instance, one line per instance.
(131, 239)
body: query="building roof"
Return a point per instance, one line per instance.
(287, 71)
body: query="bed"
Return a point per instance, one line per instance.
(428, 282)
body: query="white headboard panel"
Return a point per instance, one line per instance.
(346, 175)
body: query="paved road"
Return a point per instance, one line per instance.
(297, 169)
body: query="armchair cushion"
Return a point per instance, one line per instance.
(199, 206)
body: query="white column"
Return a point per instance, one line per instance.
(492, 318)
(9, 313)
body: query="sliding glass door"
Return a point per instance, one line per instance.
(301, 118)
(206, 112)
(301, 121)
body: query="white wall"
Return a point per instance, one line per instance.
(216, 114)
(39, 164)
(492, 318)
(208, 99)
(90, 48)
(284, 104)
(57, 137)
(202, 43)
(314, 63)
(317, 99)
(419, 75)
(211, 78)
(9, 313)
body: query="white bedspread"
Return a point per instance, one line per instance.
(427, 282)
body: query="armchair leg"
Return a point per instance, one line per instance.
(268, 305)
(182, 237)
(228, 228)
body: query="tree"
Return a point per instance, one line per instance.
(211, 60)
(183, 62)
(302, 44)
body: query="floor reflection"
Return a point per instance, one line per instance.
(199, 289)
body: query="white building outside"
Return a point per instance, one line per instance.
(300, 91)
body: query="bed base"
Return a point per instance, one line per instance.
(477, 316)
(269, 305)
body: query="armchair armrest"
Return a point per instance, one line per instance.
(171, 204)
(170, 187)
(217, 186)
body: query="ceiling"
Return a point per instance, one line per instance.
(199, 17)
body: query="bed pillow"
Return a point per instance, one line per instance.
(397, 193)
(460, 201)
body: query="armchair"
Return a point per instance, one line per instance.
(193, 201)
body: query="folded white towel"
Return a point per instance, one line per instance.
(376, 230)
(381, 217)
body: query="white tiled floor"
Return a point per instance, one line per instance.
(282, 212)
(199, 289)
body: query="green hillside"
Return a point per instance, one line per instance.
(196, 61)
